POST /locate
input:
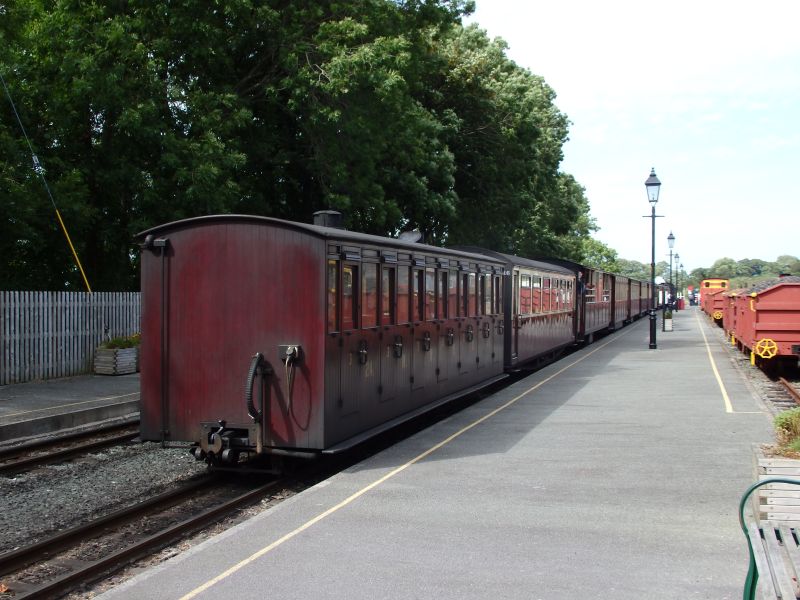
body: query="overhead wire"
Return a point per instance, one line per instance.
(37, 167)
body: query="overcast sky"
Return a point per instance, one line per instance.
(705, 91)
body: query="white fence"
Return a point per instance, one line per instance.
(44, 335)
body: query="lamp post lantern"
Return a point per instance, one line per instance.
(653, 185)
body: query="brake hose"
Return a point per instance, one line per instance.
(255, 414)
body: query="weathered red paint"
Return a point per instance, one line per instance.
(770, 311)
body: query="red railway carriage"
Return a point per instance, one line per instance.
(768, 319)
(620, 301)
(540, 302)
(641, 297)
(594, 310)
(334, 334)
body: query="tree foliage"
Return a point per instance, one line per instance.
(144, 112)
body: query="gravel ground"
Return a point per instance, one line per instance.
(43, 501)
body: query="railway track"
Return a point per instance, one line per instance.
(52, 567)
(16, 459)
(791, 388)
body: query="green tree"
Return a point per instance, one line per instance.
(600, 256)
(785, 264)
(633, 269)
(144, 112)
(506, 135)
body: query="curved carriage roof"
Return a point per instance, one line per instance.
(332, 233)
(512, 260)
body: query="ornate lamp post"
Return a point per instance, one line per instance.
(653, 185)
(671, 242)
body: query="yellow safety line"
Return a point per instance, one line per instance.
(386, 477)
(29, 412)
(728, 406)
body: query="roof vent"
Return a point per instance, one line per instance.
(329, 218)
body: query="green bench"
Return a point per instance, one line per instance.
(774, 552)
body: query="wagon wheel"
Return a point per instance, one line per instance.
(766, 348)
(717, 315)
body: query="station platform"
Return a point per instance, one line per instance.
(34, 409)
(614, 473)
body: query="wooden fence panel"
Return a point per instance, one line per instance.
(44, 335)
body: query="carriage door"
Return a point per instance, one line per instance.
(395, 339)
(334, 339)
(483, 325)
(361, 358)
(498, 321)
(467, 347)
(447, 352)
(422, 347)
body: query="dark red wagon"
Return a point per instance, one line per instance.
(268, 336)
(768, 320)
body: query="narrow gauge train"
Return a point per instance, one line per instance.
(338, 335)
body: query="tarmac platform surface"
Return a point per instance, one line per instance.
(43, 407)
(614, 473)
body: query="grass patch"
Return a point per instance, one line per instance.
(787, 430)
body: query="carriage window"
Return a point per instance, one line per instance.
(591, 288)
(515, 295)
(498, 295)
(546, 294)
(473, 295)
(606, 288)
(333, 287)
(568, 297)
(486, 294)
(369, 299)
(536, 294)
(462, 298)
(441, 296)
(555, 294)
(349, 297)
(402, 294)
(452, 294)
(525, 306)
(387, 296)
(417, 300)
(430, 294)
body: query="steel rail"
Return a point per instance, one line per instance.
(791, 389)
(15, 466)
(21, 557)
(112, 562)
(54, 441)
